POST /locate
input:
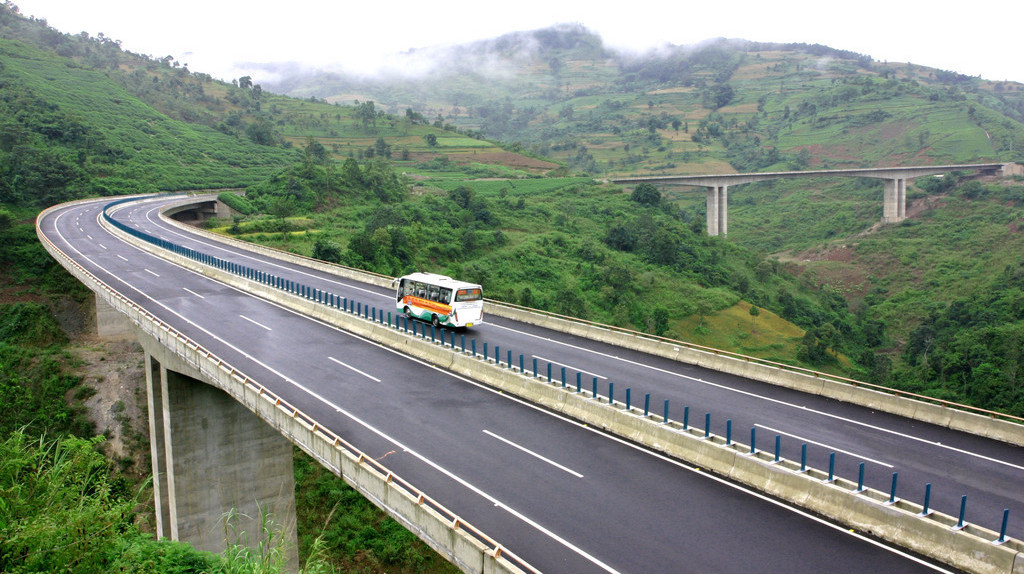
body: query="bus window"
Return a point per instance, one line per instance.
(433, 293)
(446, 295)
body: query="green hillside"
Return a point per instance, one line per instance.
(727, 105)
(68, 131)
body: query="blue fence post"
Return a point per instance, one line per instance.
(453, 340)
(463, 343)
(892, 492)
(509, 362)
(549, 372)
(927, 499)
(579, 382)
(707, 425)
(647, 404)
(389, 318)
(728, 432)
(686, 417)
(611, 393)
(629, 402)
(860, 479)
(521, 370)
(474, 348)
(963, 508)
(563, 377)
(405, 323)
(433, 332)
(1002, 531)
(535, 373)
(753, 440)
(497, 355)
(442, 336)
(595, 388)
(803, 457)
(778, 446)
(414, 328)
(666, 412)
(485, 350)
(831, 466)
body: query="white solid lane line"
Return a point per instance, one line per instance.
(855, 455)
(773, 400)
(570, 367)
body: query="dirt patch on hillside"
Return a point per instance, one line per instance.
(113, 385)
(114, 374)
(506, 158)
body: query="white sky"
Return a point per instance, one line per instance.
(980, 38)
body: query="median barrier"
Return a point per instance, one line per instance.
(971, 548)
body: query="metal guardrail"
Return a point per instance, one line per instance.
(158, 327)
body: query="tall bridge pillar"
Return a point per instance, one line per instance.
(718, 209)
(212, 456)
(894, 200)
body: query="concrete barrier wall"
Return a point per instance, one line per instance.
(970, 548)
(471, 550)
(957, 419)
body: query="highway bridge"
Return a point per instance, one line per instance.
(894, 188)
(628, 477)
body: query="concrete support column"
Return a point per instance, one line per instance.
(894, 200)
(901, 199)
(718, 210)
(212, 456)
(154, 393)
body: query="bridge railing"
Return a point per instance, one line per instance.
(497, 558)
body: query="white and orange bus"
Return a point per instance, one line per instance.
(440, 300)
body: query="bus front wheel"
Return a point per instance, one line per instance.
(408, 313)
(434, 320)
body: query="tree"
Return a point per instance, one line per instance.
(646, 194)
(261, 132)
(367, 114)
(326, 250)
(382, 148)
(754, 312)
(315, 151)
(431, 140)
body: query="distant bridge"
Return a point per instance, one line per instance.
(894, 196)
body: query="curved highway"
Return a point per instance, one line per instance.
(564, 497)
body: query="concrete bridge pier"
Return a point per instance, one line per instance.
(211, 456)
(718, 209)
(894, 200)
